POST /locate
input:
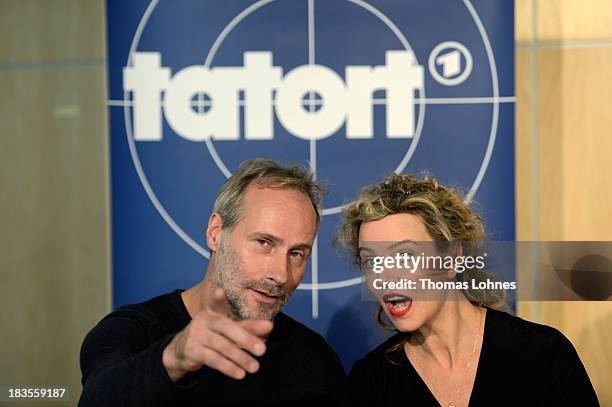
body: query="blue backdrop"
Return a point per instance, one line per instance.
(187, 105)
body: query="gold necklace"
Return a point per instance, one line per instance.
(467, 369)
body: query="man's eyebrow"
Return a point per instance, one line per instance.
(302, 246)
(278, 240)
(264, 235)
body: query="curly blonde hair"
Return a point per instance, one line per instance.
(441, 209)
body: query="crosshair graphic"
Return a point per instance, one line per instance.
(311, 103)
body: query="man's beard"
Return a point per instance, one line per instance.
(228, 274)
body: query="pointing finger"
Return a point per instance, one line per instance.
(218, 303)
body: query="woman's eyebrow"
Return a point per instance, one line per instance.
(389, 247)
(364, 249)
(401, 242)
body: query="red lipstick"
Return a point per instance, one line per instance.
(398, 305)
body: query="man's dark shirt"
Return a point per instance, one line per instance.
(121, 363)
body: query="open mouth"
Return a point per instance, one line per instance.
(398, 305)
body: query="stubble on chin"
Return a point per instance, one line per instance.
(229, 268)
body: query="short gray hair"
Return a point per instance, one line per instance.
(266, 173)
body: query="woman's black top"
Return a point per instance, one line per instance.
(521, 364)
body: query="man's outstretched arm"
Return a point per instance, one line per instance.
(121, 366)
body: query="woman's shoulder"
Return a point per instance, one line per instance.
(538, 353)
(382, 356)
(369, 376)
(503, 319)
(515, 332)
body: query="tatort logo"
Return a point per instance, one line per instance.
(266, 91)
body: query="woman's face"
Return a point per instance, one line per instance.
(394, 236)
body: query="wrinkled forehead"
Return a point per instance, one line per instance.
(286, 213)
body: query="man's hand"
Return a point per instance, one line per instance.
(216, 340)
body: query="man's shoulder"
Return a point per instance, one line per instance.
(304, 347)
(291, 328)
(299, 335)
(163, 310)
(168, 305)
(130, 328)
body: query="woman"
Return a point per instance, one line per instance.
(453, 347)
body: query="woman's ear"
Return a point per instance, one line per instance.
(458, 251)
(213, 231)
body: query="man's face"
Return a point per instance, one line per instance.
(262, 259)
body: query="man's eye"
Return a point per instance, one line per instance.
(263, 242)
(297, 255)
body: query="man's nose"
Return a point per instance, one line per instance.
(278, 269)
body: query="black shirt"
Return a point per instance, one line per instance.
(121, 363)
(521, 364)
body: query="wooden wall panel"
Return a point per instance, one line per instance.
(567, 20)
(523, 146)
(571, 118)
(523, 20)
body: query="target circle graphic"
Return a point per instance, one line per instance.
(223, 168)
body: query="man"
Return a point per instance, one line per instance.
(224, 340)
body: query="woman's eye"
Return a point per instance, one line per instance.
(367, 263)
